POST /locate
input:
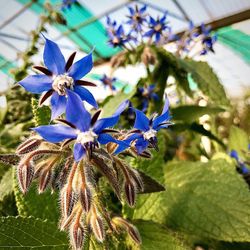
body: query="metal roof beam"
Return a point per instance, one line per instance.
(184, 13)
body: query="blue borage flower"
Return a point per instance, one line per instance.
(242, 168)
(207, 40)
(79, 126)
(137, 17)
(66, 4)
(108, 81)
(117, 36)
(145, 129)
(157, 28)
(58, 77)
(148, 94)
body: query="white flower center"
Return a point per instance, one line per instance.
(61, 83)
(149, 134)
(85, 137)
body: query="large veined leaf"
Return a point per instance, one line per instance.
(44, 206)
(190, 113)
(238, 140)
(113, 103)
(156, 237)
(210, 200)
(30, 233)
(206, 80)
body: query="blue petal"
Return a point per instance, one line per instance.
(37, 83)
(157, 37)
(120, 31)
(105, 123)
(141, 121)
(53, 57)
(160, 119)
(79, 151)
(141, 145)
(121, 107)
(234, 154)
(149, 33)
(76, 112)
(81, 68)
(105, 138)
(143, 9)
(152, 21)
(86, 95)
(58, 105)
(55, 133)
(162, 20)
(131, 10)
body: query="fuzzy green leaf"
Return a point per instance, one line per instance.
(44, 206)
(210, 200)
(6, 184)
(30, 233)
(190, 113)
(156, 237)
(238, 140)
(206, 80)
(41, 114)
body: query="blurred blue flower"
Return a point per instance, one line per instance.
(108, 81)
(137, 17)
(148, 94)
(88, 132)
(241, 166)
(117, 36)
(58, 77)
(66, 4)
(157, 28)
(145, 129)
(207, 39)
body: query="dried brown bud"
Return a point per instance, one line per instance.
(68, 200)
(130, 192)
(85, 198)
(118, 60)
(45, 178)
(66, 222)
(77, 236)
(137, 179)
(148, 56)
(28, 145)
(25, 173)
(97, 227)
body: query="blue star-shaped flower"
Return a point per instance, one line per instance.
(108, 81)
(66, 4)
(60, 76)
(79, 126)
(145, 129)
(117, 36)
(207, 40)
(156, 28)
(148, 94)
(137, 17)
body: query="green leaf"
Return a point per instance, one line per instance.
(3, 109)
(155, 236)
(41, 114)
(113, 103)
(44, 206)
(206, 80)
(209, 200)
(190, 113)
(30, 233)
(238, 140)
(6, 184)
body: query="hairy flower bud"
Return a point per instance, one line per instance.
(28, 145)
(25, 172)
(130, 192)
(97, 226)
(45, 178)
(68, 200)
(77, 236)
(134, 234)
(148, 56)
(85, 196)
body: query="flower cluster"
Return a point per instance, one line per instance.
(108, 82)
(144, 28)
(72, 154)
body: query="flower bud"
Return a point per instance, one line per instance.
(28, 145)
(77, 236)
(97, 227)
(45, 178)
(134, 234)
(25, 173)
(148, 56)
(68, 200)
(130, 192)
(85, 198)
